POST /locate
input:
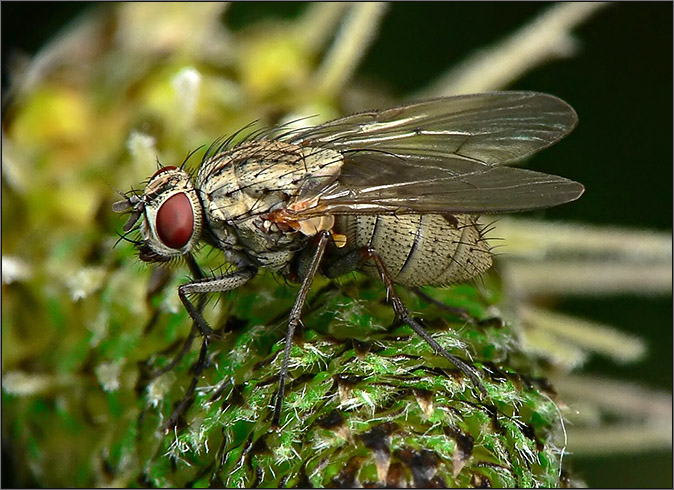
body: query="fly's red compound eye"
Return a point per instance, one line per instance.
(175, 221)
(163, 169)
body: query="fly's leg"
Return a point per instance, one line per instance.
(196, 327)
(197, 274)
(187, 400)
(352, 260)
(202, 286)
(456, 311)
(404, 314)
(228, 282)
(294, 320)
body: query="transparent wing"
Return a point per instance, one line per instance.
(442, 156)
(493, 128)
(377, 183)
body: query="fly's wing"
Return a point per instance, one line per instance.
(443, 155)
(493, 128)
(379, 183)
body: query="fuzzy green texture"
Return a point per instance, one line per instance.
(367, 399)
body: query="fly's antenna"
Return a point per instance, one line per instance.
(131, 203)
(127, 204)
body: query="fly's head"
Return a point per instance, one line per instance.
(171, 214)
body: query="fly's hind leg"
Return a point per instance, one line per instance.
(352, 260)
(454, 310)
(404, 314)
(355, 258)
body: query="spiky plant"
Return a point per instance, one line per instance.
(103, 384)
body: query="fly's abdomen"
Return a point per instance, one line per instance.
(420, 250)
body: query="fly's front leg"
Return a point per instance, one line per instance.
(206, 285)
(196, 274)
(224, 283)
(404, 314)
(294, 320)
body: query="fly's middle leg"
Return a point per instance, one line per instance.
(294, 320)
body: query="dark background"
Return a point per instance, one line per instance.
(620, 83)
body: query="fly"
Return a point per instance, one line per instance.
(394, 193)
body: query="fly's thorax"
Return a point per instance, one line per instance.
(260, 176)
(172, 215)
(242, 189)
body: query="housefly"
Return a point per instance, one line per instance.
(395, 193)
